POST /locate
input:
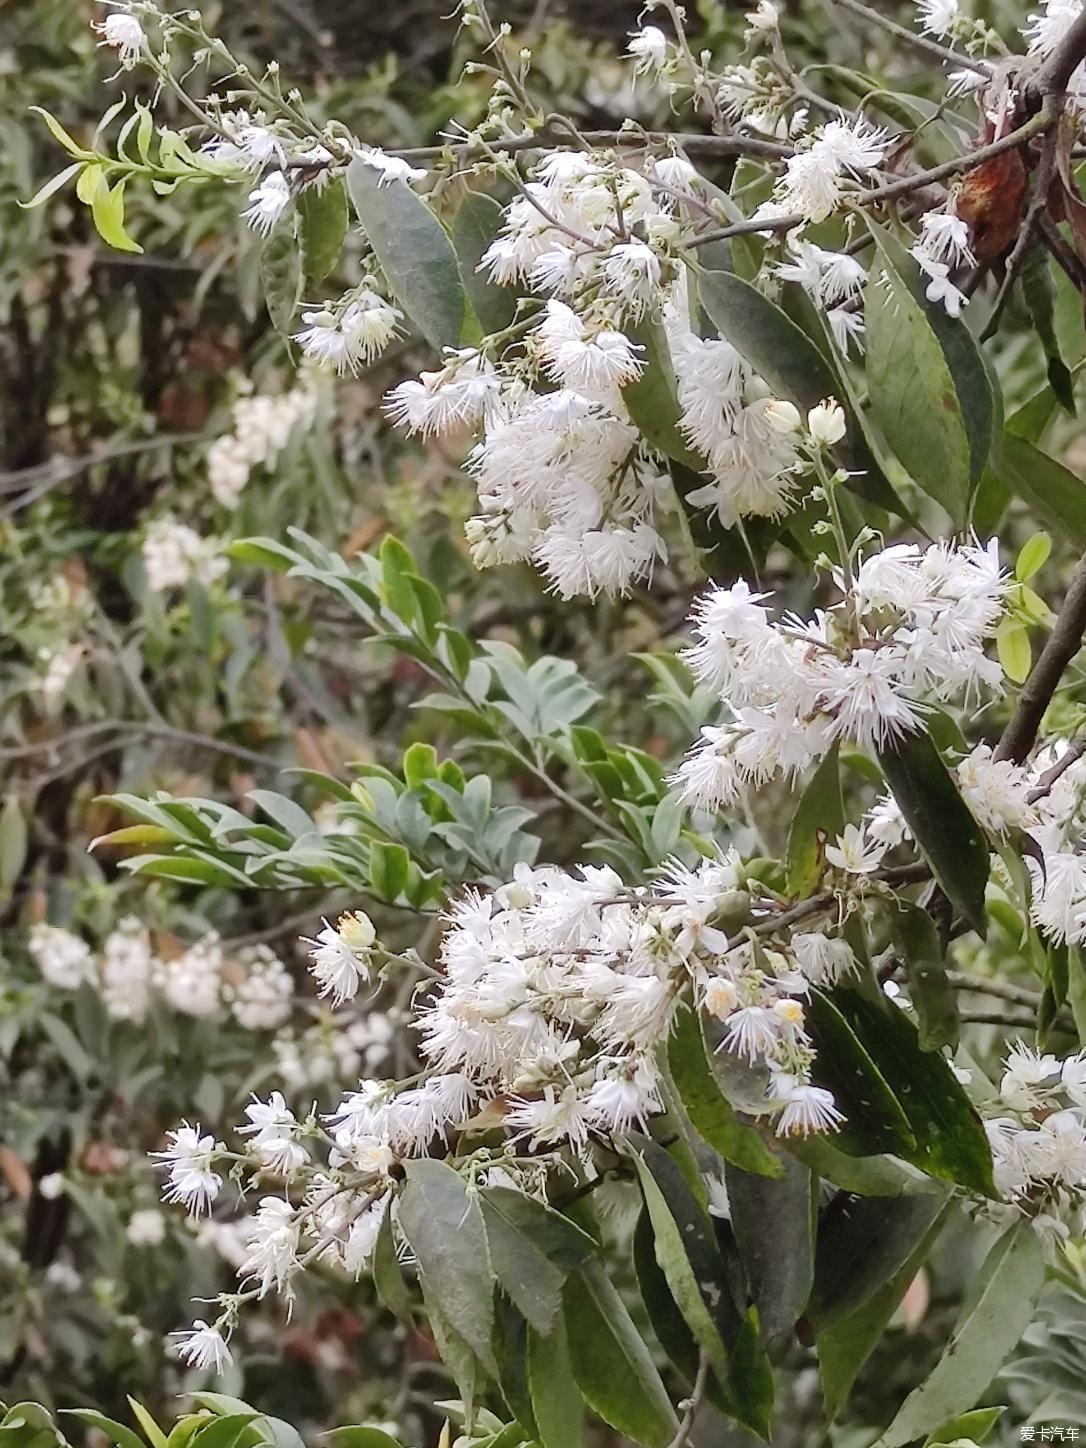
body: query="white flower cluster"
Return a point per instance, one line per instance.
(262, 425)
(173, 553)
(1039, 1143)
(351, 332)
(557, 992)
(254, 985)
(815, 178)
(909, 630)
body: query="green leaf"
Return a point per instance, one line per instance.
(444, 1225)
(388, 1276)
(770, 342)
(107, 213)
(14, 840)
(992, 1321)
(57, 131)
(226, 1431)
(611, 1364)
(265, 553)
(950, 1139)
(281, 278)
(1053, 492)
(940, 822)
(415, 254)
(710, 1112)
(819, 814)
(973, 1426)
(477, 222)
(455, 1352)
(652, 398)
(688, 1256)
(773, 1223)
(953, 388)
(114, 1431)
(1039, 294)
(1013, 649)
(930, 993)
(532, 1251)
(1076, 990)
(272, 1430)
(863, 1242)
(845, 1347)
(357, 1435)
(323, 218)
(155, 1435)
(557, 1405)
(390, 866)
(865, 1176)
(52, 186)
(874, 1119)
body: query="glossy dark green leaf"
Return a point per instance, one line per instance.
(941, 824)
(993, 1317)
(1039, 294)
(973, 400)
(770, 342)
(819, 814)
(652, 398)
(930, 993)
(611, 1364)
(477, 222)
(710, 1112)
(557, 1404)
(415, 254)
(773, 1223)
(532, 1250)
(874, 1119)
(863, 1242)
(323, 218)
(1054, 493)
(865, 1176)
(845, 1347)
(950, 1139)
(688, 1256)
(388, 1276)
(511, 1350)
(443, 1223)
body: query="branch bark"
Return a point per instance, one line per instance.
(1063, 644)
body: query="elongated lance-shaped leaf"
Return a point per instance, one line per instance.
(930, 992)
(940, 821)
(773, 1223)
(444, 1225)
(557, 1404)
(416, 256)
(820, 814)
(711, 1114)
(532, 1250)
(613, 1367)
(874, 1118)
(1055, 493)
(991, 1323)
(771, 343)
(477, 222)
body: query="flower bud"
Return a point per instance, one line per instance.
(356, 930)
(826, 423)
(782, 416)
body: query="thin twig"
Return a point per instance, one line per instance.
(1073, 752)
(1062, 645)
(919, 42)
(693, 1403)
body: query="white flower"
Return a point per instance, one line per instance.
(807, 1109)
(267, 202)
(65, 960)
(1025, 1076)
(192, 983)
(826, 423)
(271, 1246)
(996, 791)
(648, 47)
(204, 1347)
(127, 969)
(632, 271)
(945, 237)
(189, 1158)
(341, 955)
(782, 416)
(822, 959)
(940, 288)
(274, 1130)
(591, 362)
(125, 34)
(146, 1228)
(391, 168)
(51, 1187)
(765, 17)
(937, 17)
(855, 853)
(173, 553)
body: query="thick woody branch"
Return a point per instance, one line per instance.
(1063, 644)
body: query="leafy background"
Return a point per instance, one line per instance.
(117, 373)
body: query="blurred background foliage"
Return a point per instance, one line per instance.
(117, 374)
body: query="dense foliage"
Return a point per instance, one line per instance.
(545, 798)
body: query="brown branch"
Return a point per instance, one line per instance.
(1063, 644)
(1074, 751)
(549, 138)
